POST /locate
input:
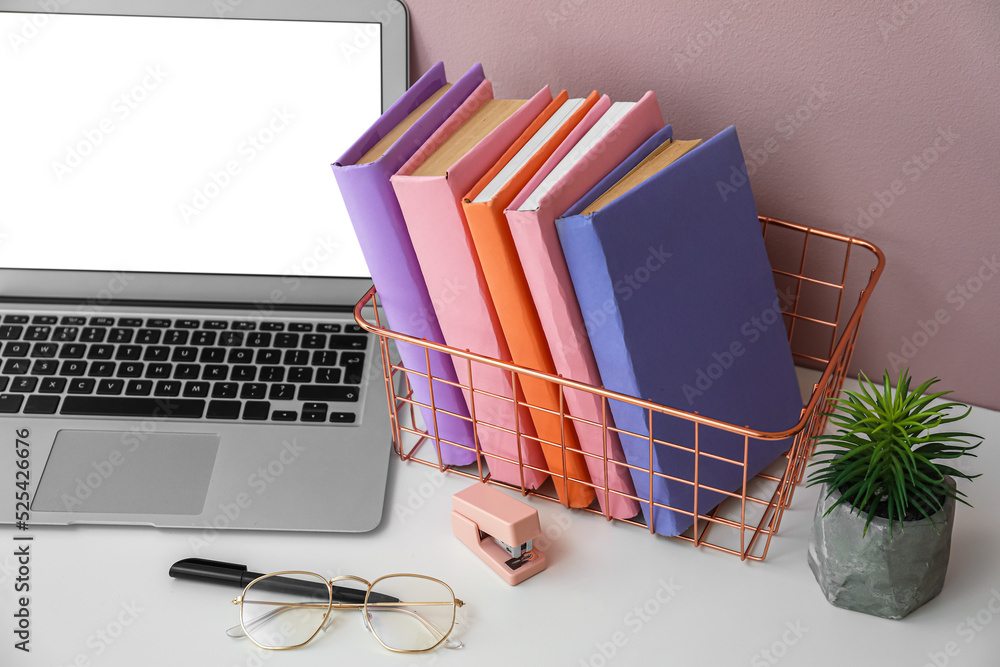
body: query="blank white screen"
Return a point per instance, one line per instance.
(181, 144)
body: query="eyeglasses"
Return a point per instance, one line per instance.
(407, 613)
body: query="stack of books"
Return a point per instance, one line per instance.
(576, 237)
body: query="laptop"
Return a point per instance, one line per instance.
(177, 340)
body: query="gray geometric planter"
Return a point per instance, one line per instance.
(872, 574)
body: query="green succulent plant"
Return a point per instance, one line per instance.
(884, 454)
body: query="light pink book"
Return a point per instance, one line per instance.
(531, 217)
(431, 205)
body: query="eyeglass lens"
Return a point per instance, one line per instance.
(422, 619)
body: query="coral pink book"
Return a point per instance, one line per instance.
(429, 188)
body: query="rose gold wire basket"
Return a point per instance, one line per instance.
(816, 273)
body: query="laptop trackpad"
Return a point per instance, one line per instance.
(127, 472)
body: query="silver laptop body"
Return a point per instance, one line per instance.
(170, 237)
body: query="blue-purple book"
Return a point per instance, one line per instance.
(681, 309)
(363, 177)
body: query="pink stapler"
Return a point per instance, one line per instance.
(500, 530)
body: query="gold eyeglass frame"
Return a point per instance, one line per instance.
(364, 607)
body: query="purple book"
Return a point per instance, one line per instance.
(681, 309)
(378, 223)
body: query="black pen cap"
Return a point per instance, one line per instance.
(212, 571)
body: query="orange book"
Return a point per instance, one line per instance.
(484, 209)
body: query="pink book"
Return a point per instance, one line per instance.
(431, 203)
(605, 137)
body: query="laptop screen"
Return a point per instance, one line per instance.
(181, 145)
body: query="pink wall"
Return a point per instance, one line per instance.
(886, 86)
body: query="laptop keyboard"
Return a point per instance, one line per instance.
(161, 367)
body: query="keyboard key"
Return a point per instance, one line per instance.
(73, 320)
(284, 415)
(102, 369)
(93, 334)
(44, 350)
(159, 323)
(159, 370)
(328, 375)
(354, 329)
(128, 352)
(100, 351)
(72, 351)
(119, 335)
(44, 319)
(10, 403)
(245, 326)
(214, 372)
(204, 338)
(133, 322)
(41, 405)
(196, 389)
(15, 319)
(187, 324)
(44, 367)
(4, 381)
(314, 412)
(342, 417)
(185, 354)
(65, 334)
(156, 353)
(300, 374)
(10, 332)
(187, 371)
(313, 342)
(300, 326)
(286, 340)
(243, 373)
(82, 386)
(215, 324)
(133, 407)
(256, 410)
(354, 365)
(272, 326)
(71, 367)
(282, 392)
(325, 392)
(110, 387)
(324, 358)
(16, 349)
(139, 387)
(52, 385)
(268, 357)
(176, 337)
(223, 409)
(258, 339)
(240, 355)
(102, 321)
(249, 390)
(16, 366)
(345, 342)
(24, 385)
(296, 357)
(271, 374)
(149, 336)
(327, 327)
(224, 390)
(168, 388)
(130, 369)
(212, 355)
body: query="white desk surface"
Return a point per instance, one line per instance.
(101, 595)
